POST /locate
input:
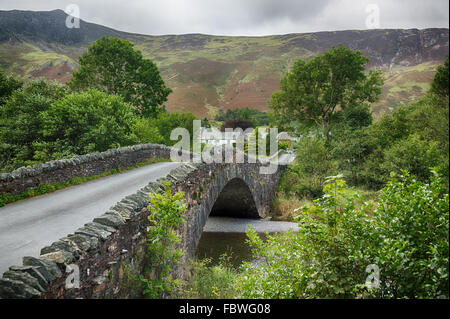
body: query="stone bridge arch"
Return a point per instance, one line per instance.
(234, 190)
(235, 200)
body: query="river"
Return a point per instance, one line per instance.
(227, 235)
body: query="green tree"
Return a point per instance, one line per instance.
(315, 92)
(157, 130)
(351, 149)
(7, 86)
(440, 85)
(414, 137)
(413, 154)
(147, 132)
(113, 65)
(305, 177)
(20, 124)
(86, 122)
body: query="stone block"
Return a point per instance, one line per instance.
(34, 272)
(62, 258)
(47, 267)
(25, 278)
(110, 220)
(14, 289)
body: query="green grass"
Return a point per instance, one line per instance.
(208, 281)
(46, 188)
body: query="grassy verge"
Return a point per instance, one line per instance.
(284, 207)
(46, 188)
(209, 281)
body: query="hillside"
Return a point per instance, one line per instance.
(211, 72)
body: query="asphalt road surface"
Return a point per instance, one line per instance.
(29, 225)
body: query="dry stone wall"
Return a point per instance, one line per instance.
(79, 166)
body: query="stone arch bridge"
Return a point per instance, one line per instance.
(110, 250)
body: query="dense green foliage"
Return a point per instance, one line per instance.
(85, 122)
(318, 91)
(256, 117)
(305, 177)
(113, 65)
(440, 85)
(405, 234)
(414, 137)
(165, 217)
(7, 86)
(158, 129)
(21, 122)
(42, 121)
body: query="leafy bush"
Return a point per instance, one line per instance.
(166, 122)
(147, 132)
(306, 176)
(165, 217)
(21, 122)
(409, 241)
(439, 85)
(86, 122)
(412, 154)
(314, 263)
(405, 235)
(414, 137)
(158, 129)
(7, 86)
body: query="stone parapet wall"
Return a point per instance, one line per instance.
(64, 170)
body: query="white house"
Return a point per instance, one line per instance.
(213, 136)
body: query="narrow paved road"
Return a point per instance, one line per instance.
(29, 225)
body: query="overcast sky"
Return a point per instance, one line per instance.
(248, 17)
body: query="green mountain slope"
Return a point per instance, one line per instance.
(211, 72)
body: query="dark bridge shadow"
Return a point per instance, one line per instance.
(235, 200)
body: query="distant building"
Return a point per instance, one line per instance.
(213, 136)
